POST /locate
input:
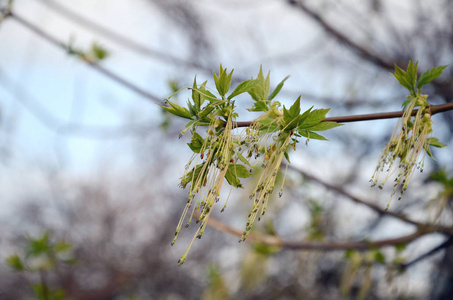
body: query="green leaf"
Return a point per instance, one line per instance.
(243, 159)
(428, 151)
(412, 75)
(207, 94)
(227, 81)
(194, 175)
(409, 100)
(301, 119)
(379, 257)
(38, 246)
(439, 176)
(206, 111)
(349, 253)
(191, 123)
(217, 81)
(43, 292)
(243, 87)
(430, 75)
(291, 117)
(259, 106)
(402, 78)
(99, 52)
(286, 156)
(197, 143)
(239, 170)
(192, 110)
(223, 81)
(294, 110)
(232, 179)
(278, 88)
(314, 118)
(177, 110)
(324, 126)
(261, 90)
(15, 262)
(311, 135)
(400, 247)
(268, 124)
(196, 95)
(287, 118)
(435, 142)
(266, 249)
(62, 246)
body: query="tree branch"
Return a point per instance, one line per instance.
(327, 246)
(374, 207)
(444, 245)
(342, 38)
(443, 88)
(120, 39)
(92, 64)
(376, 116)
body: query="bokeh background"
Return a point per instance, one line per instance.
(96, 164)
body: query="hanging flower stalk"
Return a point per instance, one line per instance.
(411, 138)
(224, 153)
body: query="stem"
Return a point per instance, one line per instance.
(45, 289)
(91, 63)
(376, 116)
(271, 240)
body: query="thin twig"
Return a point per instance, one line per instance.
(363, 52)
(374, 207)
(118, 38)
(91, 63)
(444, 245)
(342, 38)
(376, 116)
(326, 246)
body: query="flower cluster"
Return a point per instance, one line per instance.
(411, 138)
(225, 153)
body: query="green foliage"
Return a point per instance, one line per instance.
(315, 229)
(225, 153)
(430, 75)
(254, 268)
(408, 78)
(358, 271)
(446, 193)
(42, 292)
(223, 81)
(413, 134)
(15, 262)
(42, 255)
(243, 87)
(217, 288)
(94, 54)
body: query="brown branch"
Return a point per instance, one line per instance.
(92, 64)
(120, 39)
(444, 245)
(342, 38)
(326, 246)
(443, 88)
(376, 116)
(374, 207)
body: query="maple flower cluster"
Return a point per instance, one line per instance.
(410, 141)
(226, 153)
